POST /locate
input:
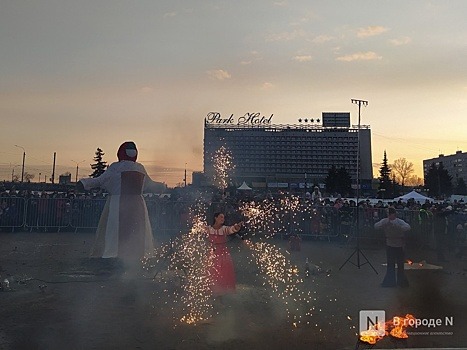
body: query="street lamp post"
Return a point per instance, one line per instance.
(77, 168)
(24, 158)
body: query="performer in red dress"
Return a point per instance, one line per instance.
(222, 271)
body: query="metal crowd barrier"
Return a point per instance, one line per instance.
(85, 213)
(169, 218)
(12, 213)
(46, 214)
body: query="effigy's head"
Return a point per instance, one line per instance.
(127, 151)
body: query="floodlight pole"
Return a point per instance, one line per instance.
(357, 250)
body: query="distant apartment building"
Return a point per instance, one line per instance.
(271, 155)
(455, 164)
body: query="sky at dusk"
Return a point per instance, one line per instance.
(77, 75)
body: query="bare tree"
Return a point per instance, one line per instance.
(28, 177)
(402, 169)
(414, 180)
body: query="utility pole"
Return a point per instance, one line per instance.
(53, 168)
(76, 177)
(184, 179)
(24, 158)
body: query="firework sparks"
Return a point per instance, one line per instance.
(189, 256)
(283, 279)
(223, 163)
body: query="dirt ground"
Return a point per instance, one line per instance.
(57, 298)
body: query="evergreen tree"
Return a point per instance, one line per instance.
(343, 182)
(438, 180)
(461, 188)
(431, 180)
(331, 180)
(445, 180)
(99, 166)
(385, 183)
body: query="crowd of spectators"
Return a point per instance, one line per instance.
(440, 225)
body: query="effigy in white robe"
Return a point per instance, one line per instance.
(124, 229)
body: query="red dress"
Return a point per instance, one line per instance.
(222, 269)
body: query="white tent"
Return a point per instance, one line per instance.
(244, 187)
(415, 196)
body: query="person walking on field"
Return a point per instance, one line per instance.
(394, 230)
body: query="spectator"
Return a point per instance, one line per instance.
(394, 229)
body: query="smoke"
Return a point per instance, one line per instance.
(245, 314)
(177, 137)
(175, 143)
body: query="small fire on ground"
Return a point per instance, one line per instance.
(396, 328)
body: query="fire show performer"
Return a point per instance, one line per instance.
(124, 230)
(222, 272)
(394, 230)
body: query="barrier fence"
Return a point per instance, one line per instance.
(169, 218)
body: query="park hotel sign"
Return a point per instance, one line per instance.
(246, 119)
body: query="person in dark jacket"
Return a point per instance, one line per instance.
(440, 226)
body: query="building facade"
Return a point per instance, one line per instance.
(269, 155)
(454, 164)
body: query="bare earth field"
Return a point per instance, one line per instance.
(57, 298)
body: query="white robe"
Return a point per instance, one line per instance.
(124, 229)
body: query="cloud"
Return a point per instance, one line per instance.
(307, 17)
(401, 41)
(286, 36)
(218, 74)
(371, 31)
(302, 58)
(320, 39)
(281, 3)
(252, 57)
(170, 14)
(360, 56)
(147, 90)
(267, 86)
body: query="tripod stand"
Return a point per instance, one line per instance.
(357, 250)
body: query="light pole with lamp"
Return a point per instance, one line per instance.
(77, 163)
(24, 158)
(357, 250)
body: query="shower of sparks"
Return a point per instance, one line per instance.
(223, 164)
(189, 256)
(273, 216)
(284, 280)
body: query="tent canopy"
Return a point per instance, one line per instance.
(244, 187)
(415, 196)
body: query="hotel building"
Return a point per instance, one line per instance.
(293, 156)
